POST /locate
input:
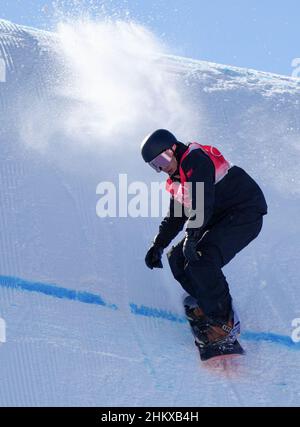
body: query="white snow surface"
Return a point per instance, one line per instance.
(72, 116)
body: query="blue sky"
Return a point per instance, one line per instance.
(259, 34)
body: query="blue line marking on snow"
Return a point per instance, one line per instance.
(247, 335)
(89, 298)
(283, 340)
(157, 313)
(53, 291)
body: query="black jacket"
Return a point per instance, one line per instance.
(237, 190)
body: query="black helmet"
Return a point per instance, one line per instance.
(156, 143)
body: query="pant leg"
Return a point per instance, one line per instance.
(209, 283)
(177, 263)
(194, 278)
(204, 279)
(233, 233)
(220, 245)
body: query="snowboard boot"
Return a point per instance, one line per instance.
(195, 314)
(218, 332)
(198, 321)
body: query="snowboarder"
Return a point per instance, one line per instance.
(234, 206)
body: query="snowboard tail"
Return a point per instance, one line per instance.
(220, 350)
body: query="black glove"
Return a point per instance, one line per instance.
(153, 257)
(192, 237)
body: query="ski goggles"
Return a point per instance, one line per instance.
(162, 161)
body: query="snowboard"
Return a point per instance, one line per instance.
(222, 350)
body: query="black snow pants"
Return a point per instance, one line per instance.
(221, 240)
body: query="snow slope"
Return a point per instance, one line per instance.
(86, 322)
